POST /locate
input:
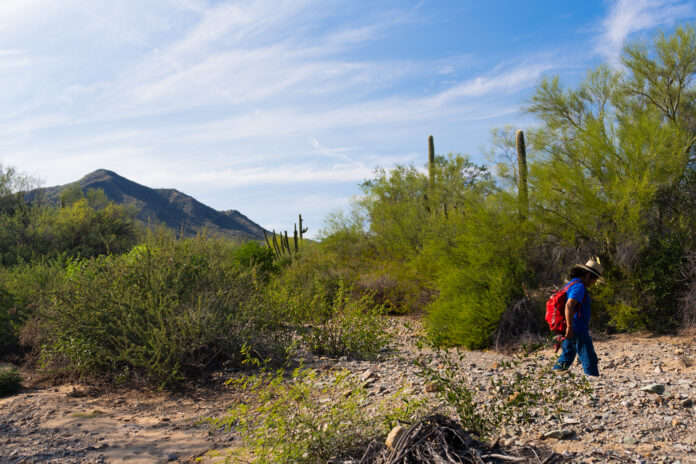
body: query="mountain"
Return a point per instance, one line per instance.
(168, 207)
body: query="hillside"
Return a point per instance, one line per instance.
(168, 207)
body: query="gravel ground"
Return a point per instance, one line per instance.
(618, 423)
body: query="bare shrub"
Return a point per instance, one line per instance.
(688, 299)
(520, 323)
(396, 295)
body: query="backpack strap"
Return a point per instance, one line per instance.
(583, 298)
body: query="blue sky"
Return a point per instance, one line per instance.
(276, 108)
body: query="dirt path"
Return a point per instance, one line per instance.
(68, 424)
(622, 423)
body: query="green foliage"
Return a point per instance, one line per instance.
(480, 269)
(347, 326)
(252, 255)
(333, 322)
(612, 169)
(166, 310)
(80, 229)
(83, 225)
(307, 418)
(25, 290)
(10, 381)
(9, 320)
(627, 318)
(526, 387)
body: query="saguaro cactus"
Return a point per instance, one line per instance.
(268, 241)
(522, 192)
(294, 236)
(275, 244)
(302, 231)
(431, 161)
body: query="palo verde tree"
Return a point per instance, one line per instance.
(612, 156)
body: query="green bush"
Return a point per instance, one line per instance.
(329, 320)
(347, 326)
(480, 271)
(254, 256)
(166, 311)
(10, 381)
(307, 418)
(9, 320)
(26, 291)
(400, 289)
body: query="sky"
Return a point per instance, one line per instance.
(275, 107)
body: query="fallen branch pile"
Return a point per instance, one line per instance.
(438, 439)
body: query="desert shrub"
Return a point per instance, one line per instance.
(166, 311)
(25, 291)
(521, 322)
(481, 270)
(398, 288)
(88, 226)
(330, 321)
(688, 298)
(10, 381)
(519, 394)
(9, 321)
(343, 325)
(254, 256)
(312, 272)
(82, 225)
(305, 418)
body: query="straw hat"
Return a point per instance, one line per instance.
(594, 266)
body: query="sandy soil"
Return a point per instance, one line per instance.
(77, 424)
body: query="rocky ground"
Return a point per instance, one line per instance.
(620, 421)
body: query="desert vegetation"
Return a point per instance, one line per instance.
(473, 249)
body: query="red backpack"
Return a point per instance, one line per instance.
(555, 309)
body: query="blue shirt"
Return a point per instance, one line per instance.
(581, 319)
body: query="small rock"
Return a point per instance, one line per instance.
(367, 374)
(432, 387)
(678, 351)
(675, 422)
(687, 403)
(656, 388)
(691, 439)
(171, 457)
(394, 435)
(658, 370)
(646, 448)
(629, 440)
(560, 434)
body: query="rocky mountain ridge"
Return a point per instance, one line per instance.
(168, 207)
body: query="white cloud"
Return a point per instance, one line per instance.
(519, 77)
(630, 16)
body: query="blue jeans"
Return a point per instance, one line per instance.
(581, 345)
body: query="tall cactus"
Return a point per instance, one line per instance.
(295, 236)
(267, 241)
(275, 244)
(431, 162)
(302, 231)
(522, 189)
